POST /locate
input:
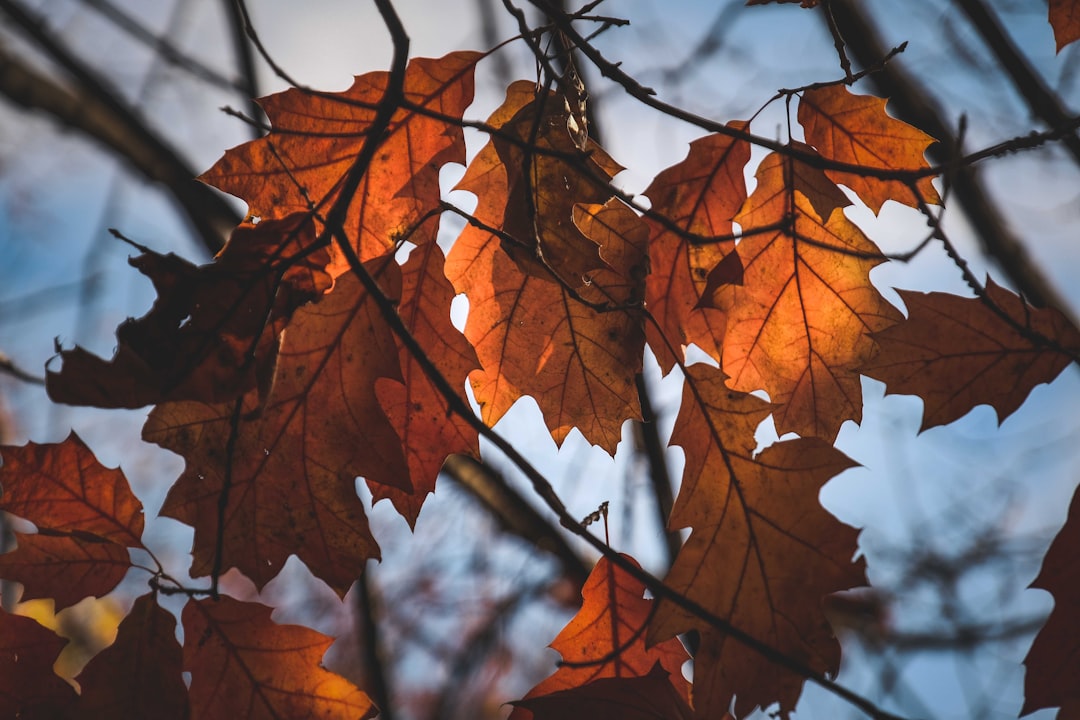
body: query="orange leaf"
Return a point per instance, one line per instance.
(1065, 19)
(798, 326)
(762, 554)
(700, 195)
(856, 129)
(194, 342)
(139, 675)
(29, 689)
(427, 430)
(244, 666)
(531, 334)
(316, 139)
(287, 466)
(956, 353)
(62, 487)
(1053, 663)
(64, 567)
(648, 697)
(606, 639)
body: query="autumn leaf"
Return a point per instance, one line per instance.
(543, 186)
(799, 325)
(66, 568)
(28, 686)
(316, 138)
(576, 352)
(63, 488)
(762, 552)
(283, 470)
(1065, 19)
(646, 697)
(428, 431)
(701, 196)
(956, 352)
(1053, 663)
(606, 639)
(139, 675)
(244, 666)
(855, 129)
(195, 341)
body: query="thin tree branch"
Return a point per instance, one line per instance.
(245, 61)
(99, 113)
(378, 684)
(1041, 100)
(659, 477)
(515, 514)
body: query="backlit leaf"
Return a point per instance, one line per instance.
(244, 666)
(139, 675)
(531, 334)
(700, 195)
(762, 552)
(648, 697)
(799, 326)
(65, 567)
(956, 352)
(287, 466)
(856, 129)
(428, 432)
(606, 639)
(62, 487)
(316, 139)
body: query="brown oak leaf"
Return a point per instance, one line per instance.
(799, 325)
(28, 686)
(244, 666)
(700, 195)
(856, 129)
(139, 675)
(284, 469)
(762, 553)
(956, 352)
(606, 639)
(316, 138)
(648, 697)
(1065, 19)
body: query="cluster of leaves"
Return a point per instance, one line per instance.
(308, 353)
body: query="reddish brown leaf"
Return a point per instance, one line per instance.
(1053, 663)
(798, 326)
(542, 186)
(65, 568)
(648, 697)
(700, 195)
(28, 686)
(244, 666)
(606, 639)
(194, 343)
(856, 129)
(956, 352)
(531, 334)
(762, 554)
(316, 139)
(139, 675)
(1065, 19)
(287, 467)
(62, 487)
(427, 430)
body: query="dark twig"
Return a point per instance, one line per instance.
(245, 61)
(378, 684)
(1042, 101)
